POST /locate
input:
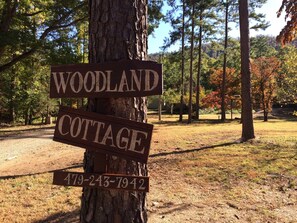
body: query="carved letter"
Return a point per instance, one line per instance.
(123, 82)
(99, 125)
(103, 82)
(77, 129)
(136, 140)
(108, 82)
(80, 82)
(108, 135)
(122, 142)
(60, 124)
(148, 80)
(88, 121)
(61, 83)
(92, 82)
(136, 80)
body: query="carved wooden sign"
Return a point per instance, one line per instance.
(105, 134)
(126, 78)
(105, 181)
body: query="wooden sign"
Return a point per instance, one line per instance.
(105, 134)
(105, 181)
(126, 78)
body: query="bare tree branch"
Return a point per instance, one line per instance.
(32, 14)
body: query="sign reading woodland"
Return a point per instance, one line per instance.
(127, 78)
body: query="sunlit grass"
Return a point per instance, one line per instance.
(205, 153)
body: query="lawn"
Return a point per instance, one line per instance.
(198, 173)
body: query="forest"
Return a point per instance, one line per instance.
(37, 34)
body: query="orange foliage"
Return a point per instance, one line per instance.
(264, 74)
(289, 32)
(232, 80)
(213, 99)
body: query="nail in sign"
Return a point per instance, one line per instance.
(105, 134)
(127, 78)
(107, 181)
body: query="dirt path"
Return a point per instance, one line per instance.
(34, 151)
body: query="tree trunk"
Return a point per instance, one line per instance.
(8, 12)
(199, 67)
(30, 115)
(181, 111)
(265, 113)
(26, 117)
(223, 89)
(118, 30)
(160, 108)
(11, 97)
(266, 108)
(191, 65)
(247, 115)
(171, 109)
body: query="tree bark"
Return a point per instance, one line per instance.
(181, 111)
(223, 88)
(8, 12)
(199, 65)
(11, 97)
(118, 30)
(191, 65)
(247, 115)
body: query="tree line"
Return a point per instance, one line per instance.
(206, 71)
(36, 34)
(273, 75)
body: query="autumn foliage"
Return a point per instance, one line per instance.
(213, 99)
(289, 32)
(264, 82)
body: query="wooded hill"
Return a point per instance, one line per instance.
(273, 74)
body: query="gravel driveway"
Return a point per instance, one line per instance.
(34, 151)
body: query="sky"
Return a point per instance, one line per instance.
(269, 9)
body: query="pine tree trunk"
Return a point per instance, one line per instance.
(181, 111)
(247, 115)
(223, 90)
(191, 65)
(118, 30)
(199, 66)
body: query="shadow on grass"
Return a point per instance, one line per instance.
(201, 121)
(61, 217)
(48, 135)
(152, 156)
(169, 208)
(33, 174)
(192, 150)
(275, 117)
(27, 130)
(18, 134)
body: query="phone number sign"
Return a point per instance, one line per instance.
(103, 181)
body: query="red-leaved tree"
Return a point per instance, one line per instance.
(264, 74)
(232, 87)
